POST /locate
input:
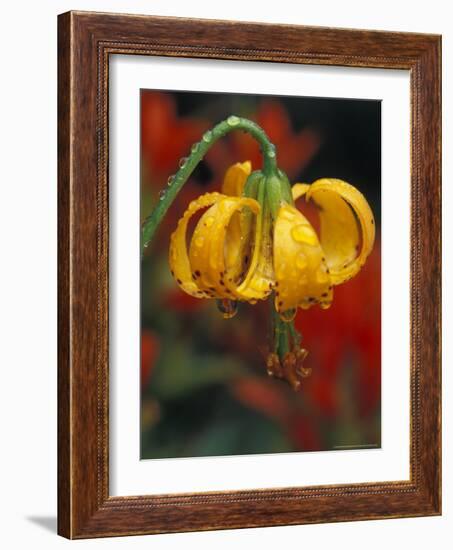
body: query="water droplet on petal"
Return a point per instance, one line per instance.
(301, 261)
(304, 234)
(287, 214)
(288, 315)
(322, 277)
(209, 221)
(182, 162)
(233, 120)
(207, 136)
(199, 241)
(228, 308)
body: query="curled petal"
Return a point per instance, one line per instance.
(347, 226)
(235, 178)
(301, 274)
(178, 257)
(259, 278)
(299, 189)
(210, 252)
(233, 185)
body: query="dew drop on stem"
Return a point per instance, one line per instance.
(233, 120)
(207, 136)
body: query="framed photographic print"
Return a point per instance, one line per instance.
(249, 275)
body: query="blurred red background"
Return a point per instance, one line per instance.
(204, 387)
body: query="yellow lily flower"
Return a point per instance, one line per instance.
(251, 242)
(242, 251)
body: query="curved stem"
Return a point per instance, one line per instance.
(188, 165)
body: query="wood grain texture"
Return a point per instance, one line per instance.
(64, 374)
(86, 40)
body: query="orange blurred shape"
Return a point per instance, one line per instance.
(178, 300)
(294, 150)
(351, 327)
(263, 395)
(165, 137)
(149, 352)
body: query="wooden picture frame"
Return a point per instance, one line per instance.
(85, 42)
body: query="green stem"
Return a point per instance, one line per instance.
(285, 336)
(284, 346)
(296, 337)
(198, 151)
(281, 340)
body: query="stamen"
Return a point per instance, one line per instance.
(293, 369)
(273, 365)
